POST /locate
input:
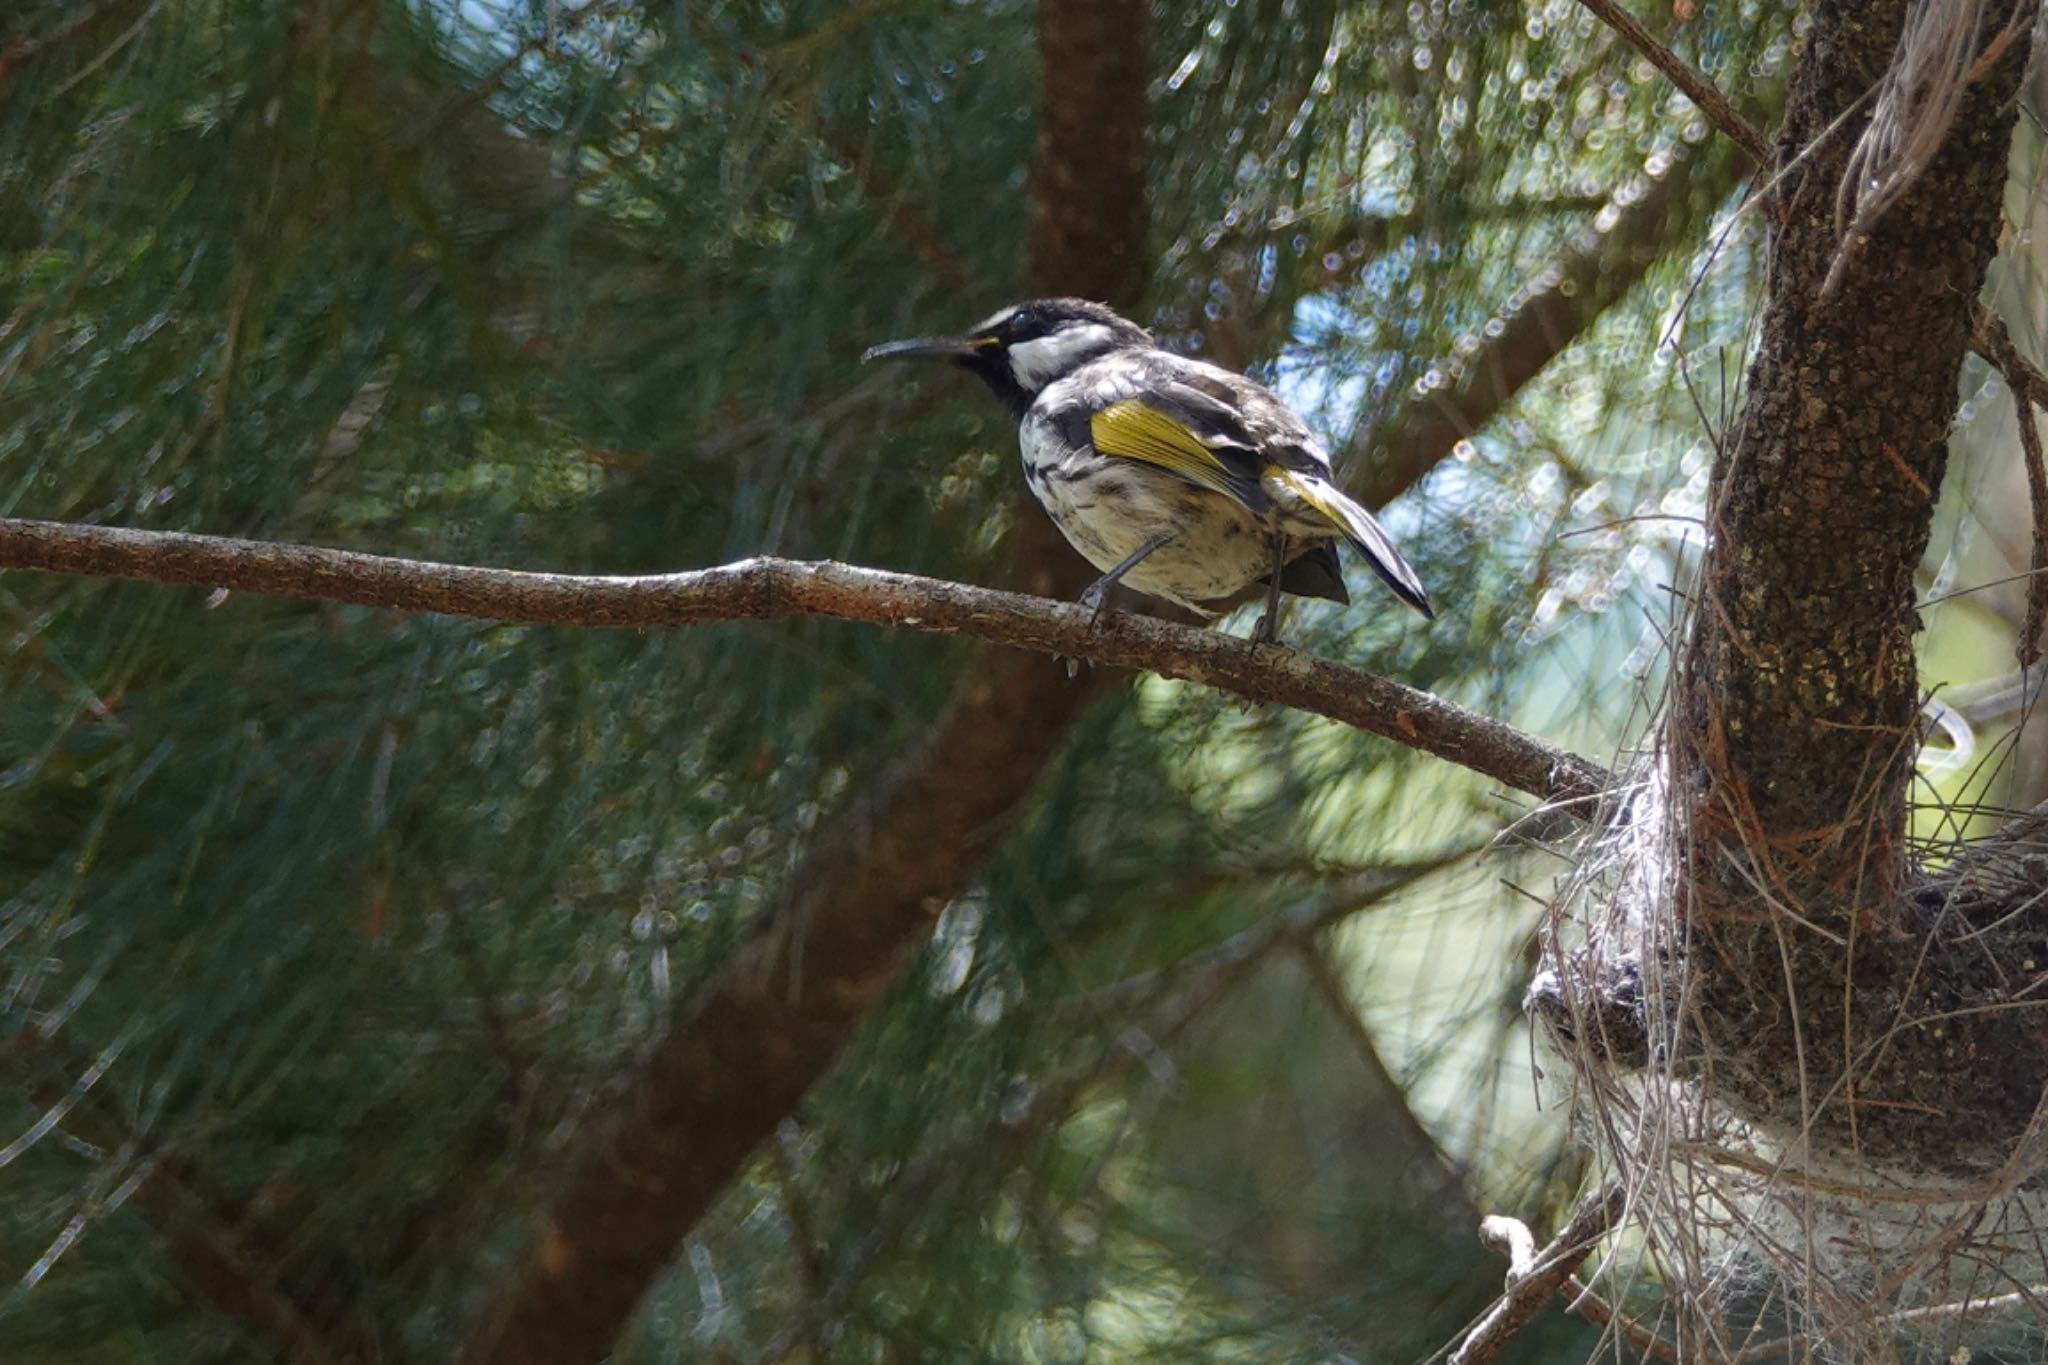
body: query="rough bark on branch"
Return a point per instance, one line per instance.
(774, 589)
(1840, 990)
(1801, 691)
(1534, 1278)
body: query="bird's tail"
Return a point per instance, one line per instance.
(1363, 530)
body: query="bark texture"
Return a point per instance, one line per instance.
(1088, 204)
(1801, 694)
(1825, 970)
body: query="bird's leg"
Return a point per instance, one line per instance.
(1096, 594)
(1267, 631)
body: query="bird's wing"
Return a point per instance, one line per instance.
(1362, 529)
(1143, 429)
(1221, 431)
(1232, 410)
(1153, 423)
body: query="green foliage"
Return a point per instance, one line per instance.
(325, 928)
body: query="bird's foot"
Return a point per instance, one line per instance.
(1095, 597)
(1266, 632)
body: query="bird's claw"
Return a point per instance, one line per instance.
(1096, 598)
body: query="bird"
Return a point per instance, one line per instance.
(1180, 478)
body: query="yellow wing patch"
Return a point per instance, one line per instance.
(1136, 431)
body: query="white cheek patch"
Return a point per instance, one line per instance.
(1037, 363)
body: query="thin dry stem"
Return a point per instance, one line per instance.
(1694, 86)
(1917, 103)
(1991, 340)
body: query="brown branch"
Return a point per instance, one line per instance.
(229, 1275)
(214, 1248)
(1800, 688)
(1547, 314)
(774, 589)
(720, 1081)
(1990, 339)
(1694, 86)
(1088, 202)
(1422, 1161)
(1533, 1278)
(1595, 1309)
(1338, 900)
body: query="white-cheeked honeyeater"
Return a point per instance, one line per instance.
(1177, 477)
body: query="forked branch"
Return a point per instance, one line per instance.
(1535, 1277)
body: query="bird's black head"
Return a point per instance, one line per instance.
(1023, 348)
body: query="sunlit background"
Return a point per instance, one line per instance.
(326, 929)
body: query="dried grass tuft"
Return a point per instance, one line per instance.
(1938, 57)
(1781, 1234)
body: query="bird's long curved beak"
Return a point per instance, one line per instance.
(922, 348)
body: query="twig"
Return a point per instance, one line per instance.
(1916, 103)
(1690, 83)
(1990, 339)
(126, 36)
(2037, 500)
(1590, 1305)
(1779, 1348)
(1511, 1238)
(771, 589)
(1452, 1189)
(1532, 1279)
(1344, 897)
(217, 1251)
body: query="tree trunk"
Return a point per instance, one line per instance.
(1812, 936)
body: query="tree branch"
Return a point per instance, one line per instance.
(1548, 313)
(1534, 1277)
(1702, 92)
(1800, 690)
(721, 1080)
(1088, 201)
(1990, 339)
(774, 589)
